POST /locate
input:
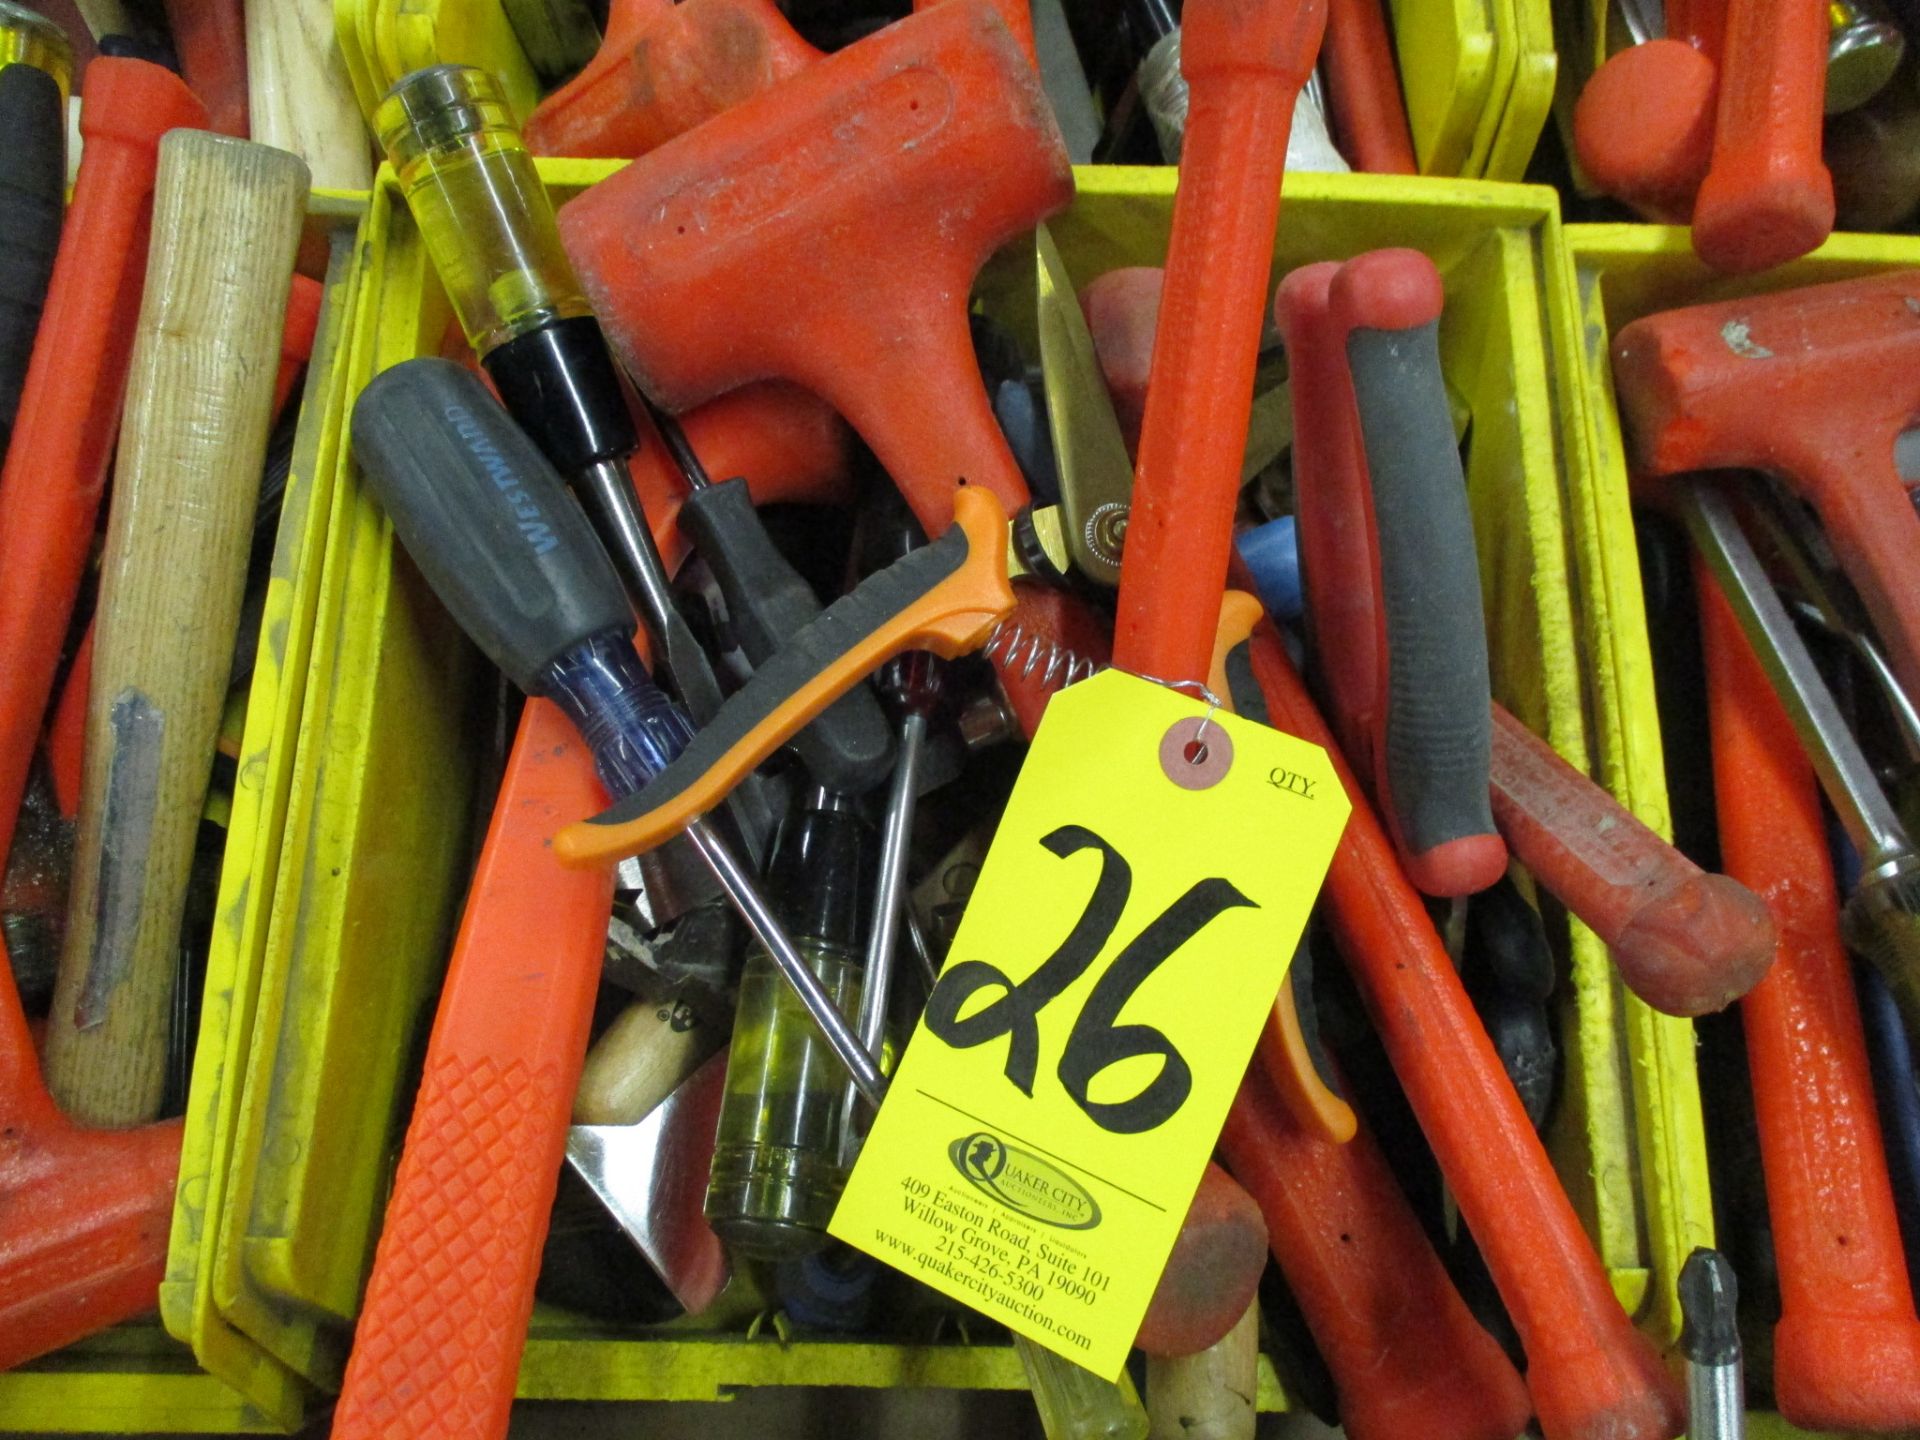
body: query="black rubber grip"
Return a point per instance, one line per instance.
(1439, 728)
(841, 627)
(485, 517)
(848, 746)
(33, 177)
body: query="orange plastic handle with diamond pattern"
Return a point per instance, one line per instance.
(438, 1345)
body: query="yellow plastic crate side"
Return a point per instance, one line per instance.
(1535, 81)
(1493, 108)
(1495, 349)
(259, 804)
(1446, 56)
(1666, 1081)
(346, 933)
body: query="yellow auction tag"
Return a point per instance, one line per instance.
(1048, 1125)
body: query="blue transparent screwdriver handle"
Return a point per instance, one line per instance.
(632, 728)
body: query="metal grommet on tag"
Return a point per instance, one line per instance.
(1196, 754)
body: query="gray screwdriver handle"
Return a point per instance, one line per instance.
(485, 517)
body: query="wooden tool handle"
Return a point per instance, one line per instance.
(1209, 1396)
(298, 94)
(226, 221)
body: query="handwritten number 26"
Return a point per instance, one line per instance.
(1096, 1042)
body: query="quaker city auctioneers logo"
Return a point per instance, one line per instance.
(1024, 1182)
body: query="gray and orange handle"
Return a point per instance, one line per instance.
(1685, 941)
(1846, 1351)
(1592, 1376)
(945, 597)
(1393, 579)
(468, 1214)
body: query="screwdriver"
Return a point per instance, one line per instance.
(489, 229)
(1881, 920)
(1710, 1339)
(487, 521)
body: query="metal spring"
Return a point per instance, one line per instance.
(1062, 667)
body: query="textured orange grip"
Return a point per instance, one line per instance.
(438, 1345)
(1846, 1353)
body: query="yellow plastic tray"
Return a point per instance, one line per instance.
(385, 39)
(1447, 65)
(1548, 519)
(1530, 101)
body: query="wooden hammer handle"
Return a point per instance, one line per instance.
(226, 221)
(298, 94)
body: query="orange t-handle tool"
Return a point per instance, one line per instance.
(83, 1213)
(210, 37)
(664, 69)
(1686, 942)
(69, 411)
(1363, 89)
(1767, 196)
(1813, 386)
(1407, 1356)
(1846, 1352)
(437, 1348)
(1591, 1374)
(1388, 556)
(1643, 126)
(865, 193)
(1244, 63)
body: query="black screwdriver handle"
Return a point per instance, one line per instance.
(486, 518)
(846, 747)
(33, 177)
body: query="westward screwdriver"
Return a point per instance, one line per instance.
(489, 525)
(489, 228)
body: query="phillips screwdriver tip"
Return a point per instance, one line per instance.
(1709, 1296)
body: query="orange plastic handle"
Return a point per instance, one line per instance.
(951, 618)
(1767, 197)
(437, 1348)
(210, 37)
(1407, 1357)
(1846, 1353)
(1686, 942)
(663, 69)
(1591, 1374)
(69, 413)
(1244, 64)
(1363, 89)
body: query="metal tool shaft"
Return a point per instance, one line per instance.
(1844, 771)
(752, 905)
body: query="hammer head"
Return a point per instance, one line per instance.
(669, 68)
(827, 231)
(84, 1214)
(1789, 383)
